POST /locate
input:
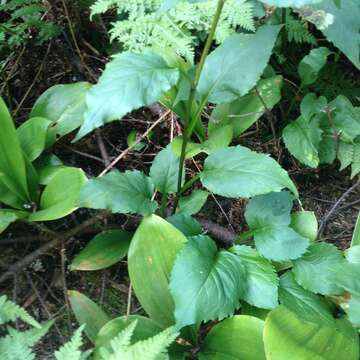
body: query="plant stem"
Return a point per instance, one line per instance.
(163, 205)
(189, 183)
(194, 84)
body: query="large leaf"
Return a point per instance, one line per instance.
(12, 164)
(240, 172)
(87, 312)
(303, 303)
(64, 105)
(287, 336)
(239, 337)
(228, 73)
(104, 250)
(290, 3)
(302, 138)
(340, 25)
(268, 217)
(129, 81)
(128, 192)
(151, 257)
(164, 171)
(321, 259)
(32, 136)
(261, 279)
(206, 284)
(244, 111)
(60, 195)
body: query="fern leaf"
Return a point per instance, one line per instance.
(71, 350)
(11, 349)
(297, 31)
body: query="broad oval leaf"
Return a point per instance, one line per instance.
(151, 257)
(12, 163)
(164, 171)
(193, 203)
(60, 196)
(240, 172)
(268, 217)
(287, 336)
(104, 250)
(239, 337)
(206, 284)
(32, 136)
(219, 82)
(129, 192)
(129, 81)
(261, 279)
(88, 313)
(305, 224)
(64, 105)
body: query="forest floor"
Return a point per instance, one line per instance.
(41, 286)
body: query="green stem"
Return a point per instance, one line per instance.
(187, 128)
(189, 183)
(163, 205)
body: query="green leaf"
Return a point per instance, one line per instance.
(219, 83)
(8, 197)
(240, 172)
(145, 329)
(305, 224)
(312, 105)
(12, 164)
(303, 303)
(246, 110)
(151, 257)
(88, 313)
(356, 235)
(193, 203)
(64, 105)
(128, 192)
(261, 279)
(218, 139)
(60, 195)
(302, 138)
(287, 336)
(104, 250)
(129, 81)
(8, 216)
(290, 3)
(192, 149)
(268, 217)
(164, 171)
(206, 284)
(186, 224)
(341, 26)
(239, 337)
(310, 66)
(320, 259)
(353, 310)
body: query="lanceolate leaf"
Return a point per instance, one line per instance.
(104, 250)
(164, 171)
(240, 172)
(219, 82)
(151, 257)
(268, 217)
(129, 81)
(261, 279)
(287, 336)
(128, 192)
(206, 284)
(239, 337)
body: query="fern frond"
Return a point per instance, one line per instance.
(11, 349)
(71, 350)
(297, 31)
(10, 311)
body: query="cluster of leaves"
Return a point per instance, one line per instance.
(22, 20)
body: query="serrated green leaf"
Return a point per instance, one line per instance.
(188, 225)
(287, 336)
(193, 203)
(224, 339)
(129, 81)
(261, 279)
(244, 111)
(127, 192)
(312, 105)
(219, 83)
(305, 224)
(320, 259)
(303, 303)
(164, 171)
(268, 217)
(88, 313)
(104, 250)
(151, 257)
(240, 172)
(206, 284)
